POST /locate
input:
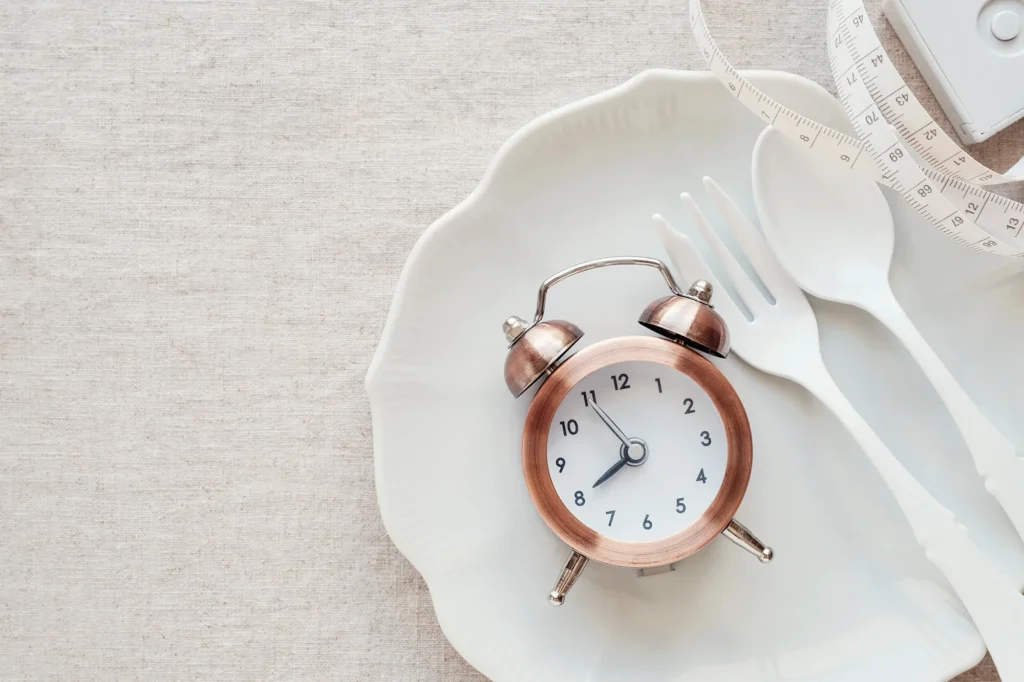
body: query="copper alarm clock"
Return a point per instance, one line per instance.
(636, 450)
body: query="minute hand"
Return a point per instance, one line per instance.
(610, 424)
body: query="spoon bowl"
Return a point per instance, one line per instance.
(831, 230)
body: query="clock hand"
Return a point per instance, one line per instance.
(614, 469)
(633, 450)
(610, 424)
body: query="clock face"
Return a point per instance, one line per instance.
(666, 477)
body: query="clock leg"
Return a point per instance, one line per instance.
(740, 535)
(574, 565)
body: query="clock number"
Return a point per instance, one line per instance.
(560, 463)
(593, 398)
(689, 406)
(611, 517)
(570, 428)
(620, 382)
(705, 438)
(680, 505)
(579, 499)
(647, 522)
(658, 381)
(701, 478)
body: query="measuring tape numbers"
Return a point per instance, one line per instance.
(898, 144)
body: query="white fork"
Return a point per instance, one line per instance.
(782, 339)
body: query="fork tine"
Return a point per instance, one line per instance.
(690, 265)
(753, 243)
(748, 291)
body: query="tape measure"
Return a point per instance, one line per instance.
(898, 144)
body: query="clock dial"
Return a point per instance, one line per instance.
(651, 440)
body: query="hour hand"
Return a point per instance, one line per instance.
(614, 469)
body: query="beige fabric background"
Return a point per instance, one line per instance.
(204, 208)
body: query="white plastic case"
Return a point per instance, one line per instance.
(971, 53)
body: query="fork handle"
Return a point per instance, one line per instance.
(995, 456)
(994, 604)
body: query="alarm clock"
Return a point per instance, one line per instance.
(636, 450)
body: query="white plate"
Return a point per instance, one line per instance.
(849, 597)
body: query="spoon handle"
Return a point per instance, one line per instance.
(993, 603)
(995, 457)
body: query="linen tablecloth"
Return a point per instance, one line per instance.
(204, 208)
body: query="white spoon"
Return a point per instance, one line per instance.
(833, 233)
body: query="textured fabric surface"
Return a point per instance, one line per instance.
(204, 208)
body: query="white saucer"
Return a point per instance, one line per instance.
(849, 597)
